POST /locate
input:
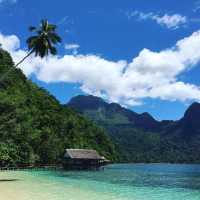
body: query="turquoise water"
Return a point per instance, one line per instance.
(116, 182)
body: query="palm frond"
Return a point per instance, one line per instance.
(53, 50)
(32, 28)
(51, 27)
(54, 38)
(45, 39)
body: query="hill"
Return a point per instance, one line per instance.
(140, 137)
(35, 128)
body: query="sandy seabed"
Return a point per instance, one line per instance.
(10, 192)
(27, 187)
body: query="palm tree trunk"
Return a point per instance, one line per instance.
(21, 61)
(4, 75)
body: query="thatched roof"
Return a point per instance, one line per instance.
(82, 154)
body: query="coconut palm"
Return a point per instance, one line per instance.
(42, 43)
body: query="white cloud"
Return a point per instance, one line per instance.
(10, 43)
(149, 75)
(73, 48)
(139, 15)
(170, 21)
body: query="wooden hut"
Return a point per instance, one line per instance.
(82, 159)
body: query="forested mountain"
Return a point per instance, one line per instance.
(102, 112)
(140, 137)
(35, 128)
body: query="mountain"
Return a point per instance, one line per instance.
(190, 123)
(35, 128)
(141, 138)
(108, 114)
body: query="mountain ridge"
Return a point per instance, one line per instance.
(82, 102)
(140, 137)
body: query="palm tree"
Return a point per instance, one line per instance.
(42, 43)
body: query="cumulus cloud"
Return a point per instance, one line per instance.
(170, 21)
(149, 75)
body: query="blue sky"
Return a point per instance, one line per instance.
(110, 32)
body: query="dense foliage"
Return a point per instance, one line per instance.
(139, 137)
(35, 128)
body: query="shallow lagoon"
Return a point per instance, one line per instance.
(115, 182)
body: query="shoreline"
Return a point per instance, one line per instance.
(56, 167)
(31, 168)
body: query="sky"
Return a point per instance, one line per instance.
(142, 54)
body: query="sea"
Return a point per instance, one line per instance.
(113, 182)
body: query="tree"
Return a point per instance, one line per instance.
(42, 43)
